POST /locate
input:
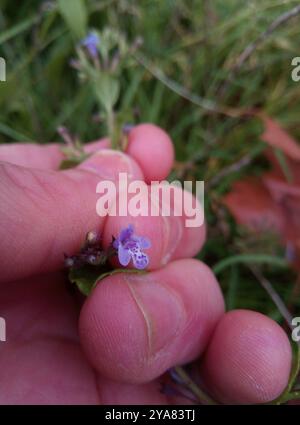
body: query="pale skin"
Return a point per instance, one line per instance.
(113, 347)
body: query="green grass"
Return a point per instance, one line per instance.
(190, 45)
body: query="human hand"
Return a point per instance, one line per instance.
(131, 328)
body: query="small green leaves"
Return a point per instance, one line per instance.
(71, 162)
(72, 159)
(91, 264)
(101, 58)
(73, 150)
(107, 89)
(87, 277)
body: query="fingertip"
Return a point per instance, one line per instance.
(153, 150)
(134, 328)
(248, 360)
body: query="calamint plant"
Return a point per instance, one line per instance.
(101, 57)
(91, 264)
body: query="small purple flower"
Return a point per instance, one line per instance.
(91, 43)
(130, 246)
(127, 128)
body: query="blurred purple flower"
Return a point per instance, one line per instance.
(130, 247)
(91, 43)
(127, 128)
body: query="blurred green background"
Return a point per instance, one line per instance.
(177, 82)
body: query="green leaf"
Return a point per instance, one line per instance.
(13, 134)
(66, 164)
(17, 29)
(73, 156)
(75, 14)
(107, 89)
(87, 277)
(72, 162)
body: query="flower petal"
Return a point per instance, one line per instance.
(144, 243)
(126, 233)
(140, 260)
(91, 42)
(116, 243)
(123, 255)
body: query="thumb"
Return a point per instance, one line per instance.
(45, 213)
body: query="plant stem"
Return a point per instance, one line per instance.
(190, 384)
(268, 287)
(112, 129)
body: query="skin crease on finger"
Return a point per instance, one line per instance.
(43, 359)
(46, 331)
(163, 318)
(44, 362)
(35, 388)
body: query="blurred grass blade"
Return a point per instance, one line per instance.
(249, 258)
(75, 15)
(284, 165)
(132, 89)
(232, 289)
(17, 29)
(15, 135)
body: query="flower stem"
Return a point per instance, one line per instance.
(112, 131)
(193, 387)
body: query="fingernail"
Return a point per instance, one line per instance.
(108, 164)
(162, 309)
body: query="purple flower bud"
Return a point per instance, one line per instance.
(91, 43)
(130, 247)
(127, 128)
(92, 259)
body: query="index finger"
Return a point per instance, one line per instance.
(148, 145)
(46, 213)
